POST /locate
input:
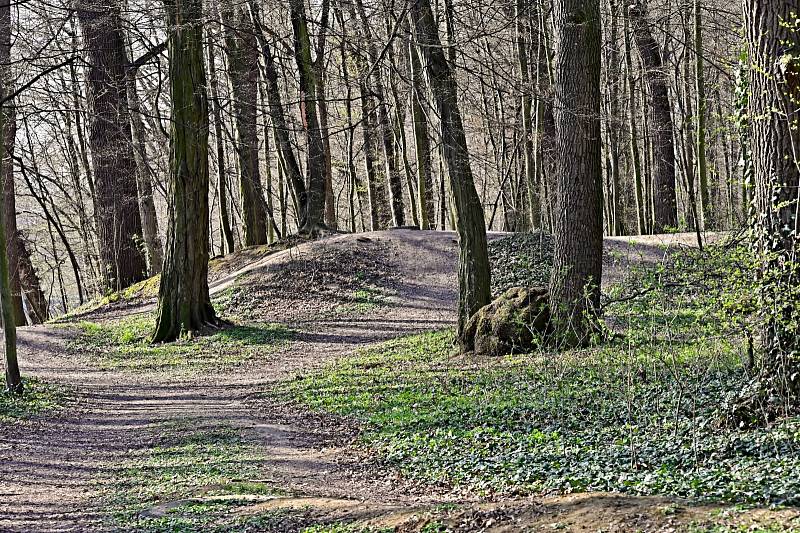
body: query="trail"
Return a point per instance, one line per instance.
(49, 466)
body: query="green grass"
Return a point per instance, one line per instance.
(40, 398)
(362, 301)
(344, 527)
(124, 344)
(211, 472)
(641, 414)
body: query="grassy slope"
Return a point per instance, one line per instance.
(642, 414)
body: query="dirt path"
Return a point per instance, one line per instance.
(49, 467)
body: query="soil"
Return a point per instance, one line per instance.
(50, 466)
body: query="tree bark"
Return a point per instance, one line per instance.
(774, 77)
(387, 131)
(242, 52)
(289, 161)
(474, 277)
(184, 304)
(12, 375)
(216, 112)
(315, 205)
(422, 143)
(147, 207)
(119, 224)
(578, 235)
(665, 203)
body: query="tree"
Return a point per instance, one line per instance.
(315, 205)
(7, 311)
(242, 52)
(578, 220)
(184, 304)
(773, 43)
(119, 223)
(665, 202)
(473, 273)
(422, 144)
(276, 113)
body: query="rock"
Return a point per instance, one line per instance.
(509, 324)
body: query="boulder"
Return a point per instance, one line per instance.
(510, 324)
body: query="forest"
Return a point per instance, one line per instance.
(361, 266)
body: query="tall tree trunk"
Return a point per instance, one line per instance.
(290, 165)
(147, 207)
(773, 43)
(9, 202)
(315, 206)
(522, 31)
(665, 203)
(116, 200)
(216, 112)
(474, 277)
(422, 144)
(578, 246)
(395, 181)
(242, 52)
(12, 375)
(700, 132)
(184, 304)
(322, 108)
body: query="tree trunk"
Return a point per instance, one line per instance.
(7, 311)
(38, 305)
(773, 41)
(474, 277)
(224, 216)
(578, 244)
(242, 52)
(147, 208)
(387, 131)
(422, 144)
(315, 206)
(7, 175)
(184, 304)
(282, 139)
(700, 133)
(665, 203)
(119, 224)
(522, 30)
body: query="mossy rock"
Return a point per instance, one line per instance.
(510, 324)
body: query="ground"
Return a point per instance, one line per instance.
(198, 436)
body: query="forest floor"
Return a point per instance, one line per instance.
(202, 435)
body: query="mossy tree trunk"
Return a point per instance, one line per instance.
(10, 304)
(184, 304)
(578, 218)
(473, 275)
(771, 29)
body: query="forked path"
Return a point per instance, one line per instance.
(49, 467)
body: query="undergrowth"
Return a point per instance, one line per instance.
(125, 344)
(191, 479)
(641, 414)
(39, 398)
